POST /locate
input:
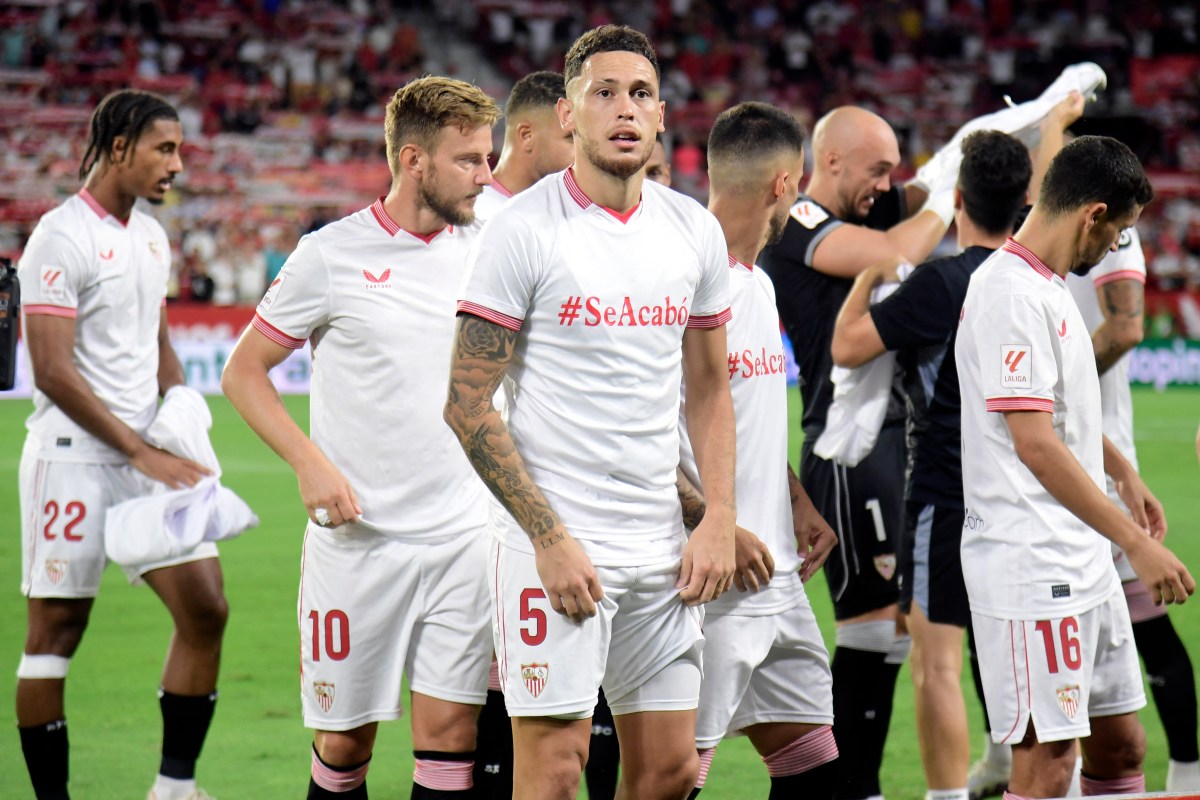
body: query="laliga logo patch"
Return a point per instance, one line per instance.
(1068, 700)
(534, 677)
(155, 251)
(809, 214)
(272, 291)
(1016, 371)
(324, 693)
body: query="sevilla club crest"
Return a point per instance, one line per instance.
(1068, 700)
(534, 676)
(324, 693)
(56, 569)
(885, 565)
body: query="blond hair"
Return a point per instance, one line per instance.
(420, 109)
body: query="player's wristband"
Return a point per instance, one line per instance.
(942, 204)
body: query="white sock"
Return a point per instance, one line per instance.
(1074, 790)
(173, 788)
(1183, 776)
(997, 754)
(946, 794)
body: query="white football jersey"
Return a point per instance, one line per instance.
(1022, 346)
(758, 383)
(377, 303)
(111, 278)
(1127, 263)
(490, 200)
(601, 301)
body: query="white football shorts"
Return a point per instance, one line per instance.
(63, 507)
(1060, 672)
(373, 608)
(552, 667)
(771, 668)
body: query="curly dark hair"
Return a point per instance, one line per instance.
(607, 39)
(994, 180)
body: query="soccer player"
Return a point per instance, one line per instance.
(595, 291)
(766, 670)
(534, 146)
(1110, 300)
(534, 142)
(391, 578)
(658, 168)
(851, 218)
(919, 321)
(1055, 643)
(94, 276)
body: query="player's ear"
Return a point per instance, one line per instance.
(525, 135)
(662, 117)
(411, 160)
(120, 149)
(1092, 215)
(566, 114)
(779, 185)
(958, 200)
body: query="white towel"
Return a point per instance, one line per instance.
(860, 399)
(168, 523)
(1022, 120)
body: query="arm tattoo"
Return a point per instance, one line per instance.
(482, 353)
(1123, 299)
(690, 499)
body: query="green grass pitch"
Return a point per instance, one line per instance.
(258, 748)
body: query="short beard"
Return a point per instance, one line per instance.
(441, 205)
(444, 207)
(623, 169)
(775, 229)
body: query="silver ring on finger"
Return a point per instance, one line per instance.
(321, 515)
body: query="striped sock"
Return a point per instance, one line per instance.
(442, 776)
(809, 751)
(1135, 784)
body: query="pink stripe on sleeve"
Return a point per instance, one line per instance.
(275, 335)
(483, 312)
(45, 309)
(1020, 404)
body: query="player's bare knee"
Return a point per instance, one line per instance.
(204, 622)
(56, 628)
(1116, 756)
(662, 777)
(345, 748)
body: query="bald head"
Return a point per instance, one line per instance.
(854, 153)
(850, 128)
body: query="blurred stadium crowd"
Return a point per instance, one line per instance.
(282, 101)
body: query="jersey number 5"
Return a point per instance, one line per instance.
(534, 634)
(1068, 638)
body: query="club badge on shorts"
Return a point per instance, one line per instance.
(1068, 700)
(885, 565)
(534, 676)
(56, 569)
(324, 693)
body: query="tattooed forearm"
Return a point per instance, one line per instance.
(690, 499)
(1122, 303)
(482, 353)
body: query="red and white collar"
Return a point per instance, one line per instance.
(585, 202)
(389, 225)
(95, 206)
(1030, 258)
